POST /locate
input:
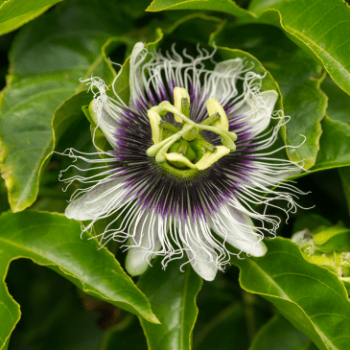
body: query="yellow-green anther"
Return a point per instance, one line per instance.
(181, 103)
(211, 119)
(179, 160)
(210, 158)
(227, 137)
(214, 106)
(154, 120)
(185, 107)
(227, 141)
(170, 127)
(205, 145)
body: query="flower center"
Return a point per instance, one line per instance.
(181, 145)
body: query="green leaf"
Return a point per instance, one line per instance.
(334, 145)
(55, 314)
(298, 77)
(228, 315)
(127, 334)
(10, 9)
(172, 294)
(54, 241)
(338, 102)
(310, 222)
(318, 27)
(3, 197)
(228, 326)
(335, 139)
(279, 331)
(15, 13)
(227, 6)
(301, 291)
(235, 324)
(335, 238)
(345, 178)
(46, 69)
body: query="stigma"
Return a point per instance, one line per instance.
(180, 143)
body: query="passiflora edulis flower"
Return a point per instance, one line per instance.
(191, 160)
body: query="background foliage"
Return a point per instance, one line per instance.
(57, 291)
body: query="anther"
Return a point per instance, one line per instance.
(213, 107)
(181, 103)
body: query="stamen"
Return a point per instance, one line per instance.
(211, 119)
(180, 147)
(214, 107)
(181, 103)
(154, 120)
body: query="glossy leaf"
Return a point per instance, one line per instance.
(298, 289)
(303, 20)
(298, 77)
(345, 178)
(127, 334)
(53, 240)
(227, 314)
(334, 145)
(318, 27)
(335, 238)
(236, 324)
(55, 314)
(338, 102)
(15, 13)
(172, 294)
(17, 22)
(227, 6)
(278, 334)
(45, 71)
(310, 222)
(335, 139)
(225, 328)
(3, 197)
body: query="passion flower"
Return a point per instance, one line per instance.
(189, 163)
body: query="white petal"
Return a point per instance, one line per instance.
(104, 121)
(197, 252)
(239, 232)
(137, 258)
(258, 110)
(283, 175)
(135, 79)
(97, 201)
(201, 264)
(229, 71)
